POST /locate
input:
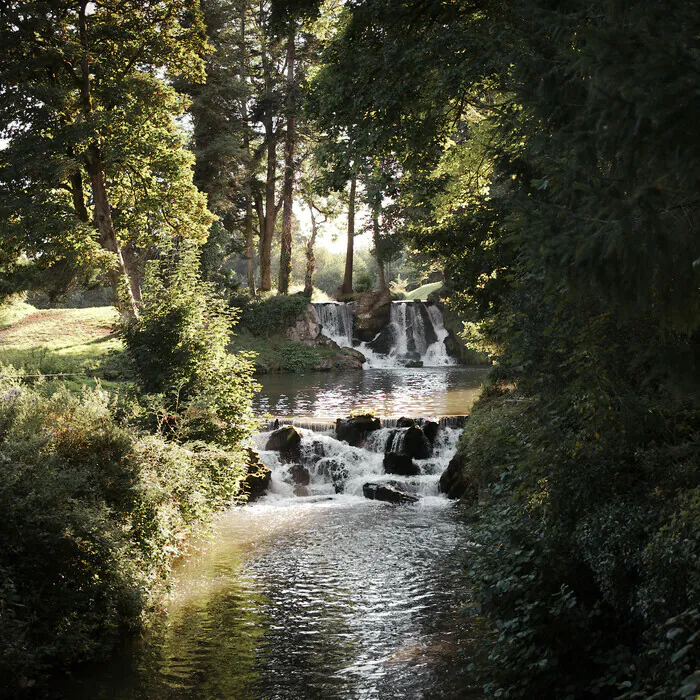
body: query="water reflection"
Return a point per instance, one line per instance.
(337, 599)
(433, 391)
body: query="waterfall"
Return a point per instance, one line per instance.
(415, 335)
(336, 321)
(333, 468)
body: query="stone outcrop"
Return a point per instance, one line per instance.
(400, 464)
(257, 480)
(354, 430)
(286, 441)
(345, 358)
(381, 492)
(307, 330)
(454, 483)
(372, 311)
(415, 444)
(430, 430)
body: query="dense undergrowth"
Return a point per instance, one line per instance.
(585, 484)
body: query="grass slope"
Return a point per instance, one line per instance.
(79, 342)
(421, 293)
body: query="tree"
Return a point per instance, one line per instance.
(95, 160)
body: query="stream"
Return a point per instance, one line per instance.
(316, 591)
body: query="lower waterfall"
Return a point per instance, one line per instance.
(323, 465)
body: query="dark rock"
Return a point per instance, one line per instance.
(428, 329)
(306, 329)
(430, 430)
(383, 341)
(454, 483)
(405, 422)
(372, 311)
(354, 430)
(380, 492)
(411, 364)
(400, 464)
(415, 443)
(286, 441)
(300, 474)
(257, 480)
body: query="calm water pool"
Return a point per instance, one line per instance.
(430, 391)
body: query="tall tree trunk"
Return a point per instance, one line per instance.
(268, 230)
(310, 257)
(288, 185)
(347, 279)
(109, 241)
(249, 245)
(102, 212)
(380, 262)
(248, 220)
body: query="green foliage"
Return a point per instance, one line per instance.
(298, 358)
(178, 348)
(586, 544)
(94, 513)
(269, 314)
(88, 111)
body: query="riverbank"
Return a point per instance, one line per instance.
(586, 565)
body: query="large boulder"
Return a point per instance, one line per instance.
(454, 482)
(404, 422)
(371, 311)
(257, 480)
(430, 430)
(354, 430)
(381, 492)
(286, 441)
(400, 464)
(307, 330)
(415, 443)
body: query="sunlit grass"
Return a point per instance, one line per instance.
(79, 344)
(423, 292)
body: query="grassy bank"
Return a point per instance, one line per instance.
(78, 342)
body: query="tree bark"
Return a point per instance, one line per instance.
(289, 171)
(310, 257)
(380, 262)
(268, 230)
(248, 220)
(347, 279)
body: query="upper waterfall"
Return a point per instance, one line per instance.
(415, 335)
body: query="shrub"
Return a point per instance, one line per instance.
(178, 349)
(93, 514)
(267, 315)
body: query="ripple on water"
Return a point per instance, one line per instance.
(343, 598)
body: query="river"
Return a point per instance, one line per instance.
(329, 595)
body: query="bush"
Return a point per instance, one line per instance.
(587, 567)
(266, 315)
(178, 349)
(94, 511)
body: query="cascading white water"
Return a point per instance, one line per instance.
(340, 470)
(418, 334)
(336, 322)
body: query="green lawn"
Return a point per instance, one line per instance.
(422, 292)
(80, 343)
